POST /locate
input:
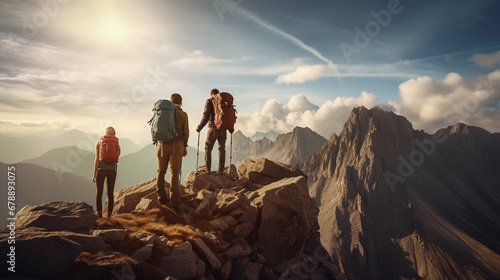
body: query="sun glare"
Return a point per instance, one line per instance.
(113, 30)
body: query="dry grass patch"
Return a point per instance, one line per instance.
(158, 221)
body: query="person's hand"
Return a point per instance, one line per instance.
(198, 129)
(231, 130)
(185, 152)
(93, 178)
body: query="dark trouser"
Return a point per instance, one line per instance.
(175, 160)
(220, 136)
(110, 176)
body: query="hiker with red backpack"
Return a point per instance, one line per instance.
(170, 133)
(107, 152)
(219, 113)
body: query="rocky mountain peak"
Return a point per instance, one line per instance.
(383, 187)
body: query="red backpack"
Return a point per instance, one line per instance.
(110, 149)
(225, 114)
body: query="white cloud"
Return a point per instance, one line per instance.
(306, 73)
(197, 59)
(299, 111)
(432, 104)
(487, 60)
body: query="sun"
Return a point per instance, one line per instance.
(114, 31)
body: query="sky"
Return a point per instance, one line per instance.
(79, 64)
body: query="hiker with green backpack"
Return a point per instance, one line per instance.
(170, 133)
(220, 115)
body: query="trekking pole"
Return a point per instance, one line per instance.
(230, 153)
(197, 151)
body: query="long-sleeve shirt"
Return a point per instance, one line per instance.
(182, 127)
(208, 115)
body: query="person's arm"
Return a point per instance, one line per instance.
(209, 109)
(96, 162)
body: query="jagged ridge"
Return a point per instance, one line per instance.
(395, 202)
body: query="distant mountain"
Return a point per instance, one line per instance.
(69, 159)
(397, 203)
(16, 149)
(290, 148)
(271, 135)
(36, 185)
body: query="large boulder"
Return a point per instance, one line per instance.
(255, 173)
(38, 254)
(181, 262)
(126, 200)
(288, 220)
(199, 180)
(64, 215)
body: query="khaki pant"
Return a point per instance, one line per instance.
(168, 155)
(212, 136)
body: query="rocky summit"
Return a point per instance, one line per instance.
(398, 203)
(255, 222)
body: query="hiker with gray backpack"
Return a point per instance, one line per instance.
(220, 115)
(170, 133)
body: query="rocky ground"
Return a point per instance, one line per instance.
(256, 223)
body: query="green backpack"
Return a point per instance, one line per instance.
(163, 121)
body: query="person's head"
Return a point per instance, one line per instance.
(214, 92)
(110, 131)
(176, 99)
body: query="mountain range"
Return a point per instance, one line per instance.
(289, 148)
(19, 148)
(398, 203)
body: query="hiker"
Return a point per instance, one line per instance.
(107, 152)
(213, 134)
(172, 152)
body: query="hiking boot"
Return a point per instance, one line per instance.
(205, 170)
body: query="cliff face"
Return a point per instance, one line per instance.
(399, 203)
(290, 148)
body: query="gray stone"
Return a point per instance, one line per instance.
(64, 215)
(252, 271)
(200, 268)
(219, 224)
(229, 200)
(180, 263)
(288, 220)
(199, 180)
(147, 203)
(144, 253)
(126, 200)
(89, 243)
(235, 252)
(230, 220)
(161, 243)
(38, 254)
(261, 172)
(208, 200)
(251, 215)
(111, 235)
(206, 254)
(126, 273)
(244, 230)
(238, 268)
(226, 269)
